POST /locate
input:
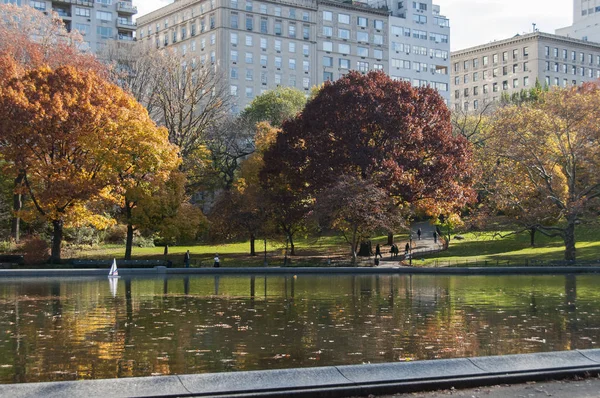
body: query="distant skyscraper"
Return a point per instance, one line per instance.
(586, 21)
(98, 21)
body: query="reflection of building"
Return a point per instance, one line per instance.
(586, 21)
(301, 43)
(482, 74)
(99, 21)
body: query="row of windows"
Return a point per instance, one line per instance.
(495, 73)
(346, 19)
(467, 92)
(419, 50)
(234, 39)
(572, 69)
(346, 49)
(276, 10)
(495, 59)
(589, 11)
(417, 66)
(422, 83)
(574, 56)
(277, 27)
(264, 61)
(347, 34)
(400, 31)
(264, 79)
(193, 27)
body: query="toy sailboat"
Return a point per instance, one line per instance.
(114, 272)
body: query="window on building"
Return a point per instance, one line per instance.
(344, 48)
(344, 18)
(344, 63)
(104, 15)
(327, 16)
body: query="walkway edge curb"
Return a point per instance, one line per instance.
(331, 381)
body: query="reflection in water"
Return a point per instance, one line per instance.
(85, 328)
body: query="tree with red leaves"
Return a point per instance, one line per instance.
(376, 129)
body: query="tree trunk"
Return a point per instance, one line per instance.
(56, 242)
(129, 238)
(292, 250)
(252, 249)
(129, 241)
(570, 254)
(17, 206)
(390, 239)
(532, 232)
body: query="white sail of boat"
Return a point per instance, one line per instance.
(114, 272)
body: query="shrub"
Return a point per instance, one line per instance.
(35, 250)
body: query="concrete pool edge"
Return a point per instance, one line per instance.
(331, 381)
(300, 270)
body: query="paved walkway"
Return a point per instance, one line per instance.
(572, 388)
(426, 244)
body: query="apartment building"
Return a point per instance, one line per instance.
(261, 44)
(350, 37)
(481, 74)
(420, 46)
(586, 21)
(98, 21)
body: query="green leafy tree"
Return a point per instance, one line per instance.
(275, 106)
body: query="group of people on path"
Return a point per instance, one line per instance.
(186, 260)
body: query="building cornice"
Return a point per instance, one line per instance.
(351, 6)
(529, 37)
(184, 4)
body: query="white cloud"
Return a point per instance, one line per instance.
(475, 22)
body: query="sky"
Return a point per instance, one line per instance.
(476, 22)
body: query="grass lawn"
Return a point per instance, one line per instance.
(495, 247)
(309, 252)
(500, 247)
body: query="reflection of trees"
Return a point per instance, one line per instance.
(77, 330)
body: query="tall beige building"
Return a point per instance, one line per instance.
(262, 44)
(99, 21)
(483, 73)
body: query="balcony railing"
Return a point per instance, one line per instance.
(125, 7)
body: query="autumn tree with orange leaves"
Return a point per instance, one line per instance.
(30, 39)
(72, 135)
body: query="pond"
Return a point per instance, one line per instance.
(90, 328)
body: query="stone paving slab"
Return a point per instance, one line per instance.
(108, 388)
(539, 362)
(280, 379)
(405, 371)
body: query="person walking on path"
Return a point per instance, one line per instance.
(378, 251)
(419, 233)
(186, 259)
(435, 236)
(406, 249)
(217, 263)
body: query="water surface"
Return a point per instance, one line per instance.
(87, 328)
